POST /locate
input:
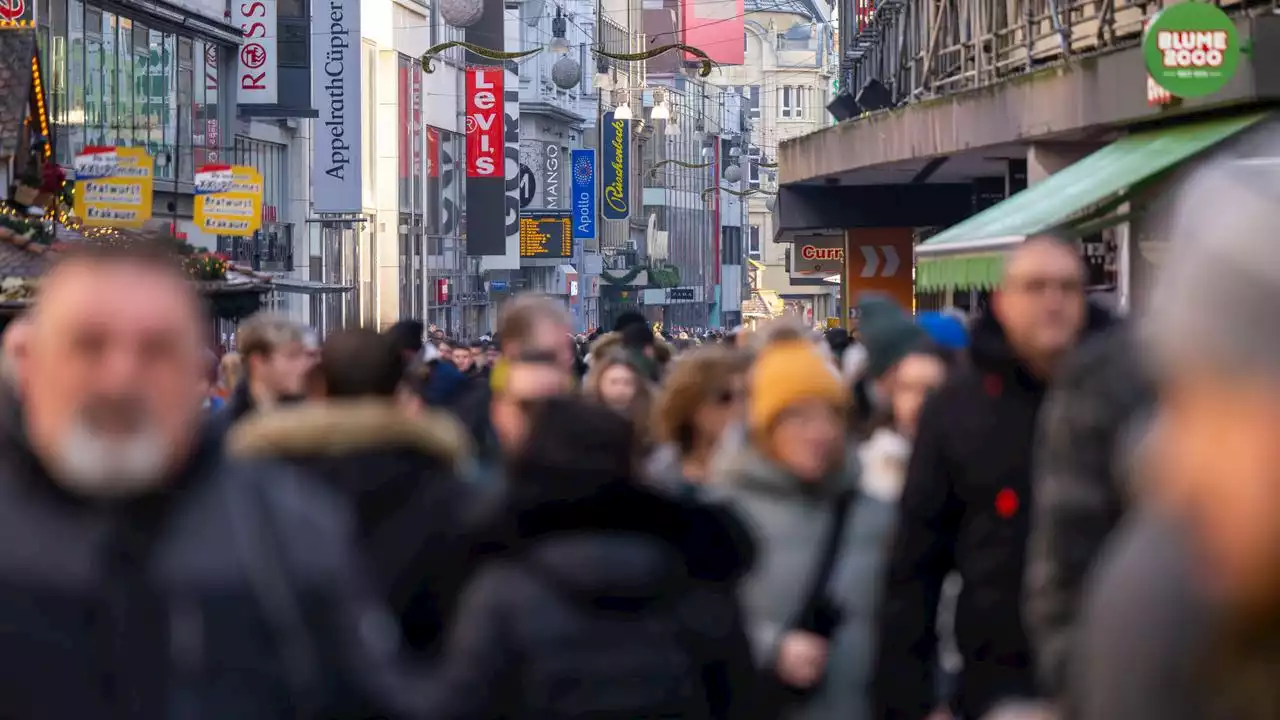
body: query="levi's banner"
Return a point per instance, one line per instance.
(228, 200)
(485, 143)
(615, 185)
(114, 186)
(583, 164)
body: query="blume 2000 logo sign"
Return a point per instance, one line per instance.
(1191, 49)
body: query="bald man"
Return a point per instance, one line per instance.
(968, 492)
(116, 506)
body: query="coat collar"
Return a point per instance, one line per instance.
(334, 428)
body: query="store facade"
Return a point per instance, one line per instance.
(156, 77)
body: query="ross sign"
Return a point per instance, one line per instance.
(484, 121)
(583, 163)
(814, 257)
(258, 77)
(1191, 49)
(114, 186)
(16, 11)
(546, 235)
(336, 185)
(528, 186)
(880, 261)
(229, 200)
(551, 172)
(616, 181)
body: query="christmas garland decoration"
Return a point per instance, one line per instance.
(706, 193)
(653, 171)
(625, 279)
(764, 164)
(655, 52)
(474, 49)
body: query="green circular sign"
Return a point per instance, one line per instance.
(1191, 49)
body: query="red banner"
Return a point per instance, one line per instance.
(716, 27)
(433, 152)
(484, 121)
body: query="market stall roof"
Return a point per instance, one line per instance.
(971, 253)
(17, 67)
(308, 287)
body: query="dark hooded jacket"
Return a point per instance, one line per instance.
(401, 477)
(233, 592)
(965, 507)
(612, 604)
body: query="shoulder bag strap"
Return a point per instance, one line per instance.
(826, 559)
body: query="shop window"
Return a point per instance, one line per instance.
(182, 133)
(753, 242)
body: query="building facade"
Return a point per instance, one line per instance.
(785, 85)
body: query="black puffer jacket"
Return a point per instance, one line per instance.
(614, 605)
(234, 592)
(400, 476)
(966, 506)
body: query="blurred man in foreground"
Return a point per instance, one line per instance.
(140, 572)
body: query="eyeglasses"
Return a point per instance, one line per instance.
(1043, 285)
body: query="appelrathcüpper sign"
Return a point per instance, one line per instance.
(228, 200)
(1191, 49)
(114, 186)
(615, 169)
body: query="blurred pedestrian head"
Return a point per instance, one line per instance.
(782, 330)
(1215, 345)
(1040, 304)
(112, 355)
(796, 409)
(359, 363)
(618, 381)
(536, 324)
(230, 371)
(274, 352)
(888, 333)
(630, 319)
(408, 337)
(573, 448)
(518, 381)
(704, 393)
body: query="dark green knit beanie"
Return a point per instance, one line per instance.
(888, 333)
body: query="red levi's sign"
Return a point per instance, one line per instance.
(484, 121)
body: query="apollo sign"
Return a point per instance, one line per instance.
(485, 143)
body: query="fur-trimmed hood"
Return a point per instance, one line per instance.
(337, 428)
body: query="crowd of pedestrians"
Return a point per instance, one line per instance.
(1042, 511)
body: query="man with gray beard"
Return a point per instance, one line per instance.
(142, 574)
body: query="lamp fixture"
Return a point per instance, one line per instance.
(623, 110)
(602, 80)
(661, 111)
(559, 45)
(672, 129)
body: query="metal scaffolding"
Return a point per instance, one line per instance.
(927, 48)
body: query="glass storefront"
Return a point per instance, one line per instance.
(411, 227)
(114, 80)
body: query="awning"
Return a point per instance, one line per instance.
(971, 253)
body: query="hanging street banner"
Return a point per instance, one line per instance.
(336, 163)
(114, 186)
(615, 185)
(228, 200)
(485, 143)
(583, 164)
(257, 72)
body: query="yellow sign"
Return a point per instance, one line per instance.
(114, 186)
(228, 200)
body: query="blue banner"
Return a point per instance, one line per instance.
(615, 173)
(583, 165)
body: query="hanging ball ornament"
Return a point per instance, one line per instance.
(732, 173)
(461, 13)
(566, 73)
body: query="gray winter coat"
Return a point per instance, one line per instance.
(791, 521)
(1144, 630)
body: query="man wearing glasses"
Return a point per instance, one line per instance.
(967, 498)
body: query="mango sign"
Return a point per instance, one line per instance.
(228, 200)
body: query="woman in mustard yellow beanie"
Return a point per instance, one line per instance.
(793, 484)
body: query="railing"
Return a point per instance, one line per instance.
(926, 48)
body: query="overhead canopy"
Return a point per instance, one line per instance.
(970, 254)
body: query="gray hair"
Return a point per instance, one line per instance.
(1215, 294)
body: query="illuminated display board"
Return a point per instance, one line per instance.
(546, 235)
